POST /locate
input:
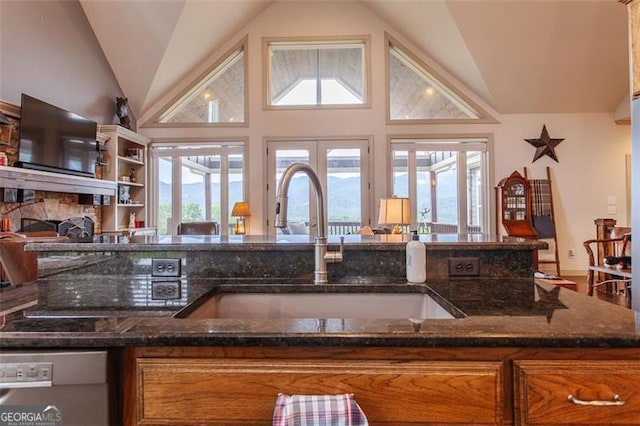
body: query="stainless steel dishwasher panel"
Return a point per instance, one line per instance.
(68, 386)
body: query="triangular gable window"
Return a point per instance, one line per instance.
(219, 97)
(418, 94)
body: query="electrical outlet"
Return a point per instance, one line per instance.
(165, 267)
(464, 267)
(165, 290)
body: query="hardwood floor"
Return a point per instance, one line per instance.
(581, 280)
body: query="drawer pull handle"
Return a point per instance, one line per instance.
(616, 401)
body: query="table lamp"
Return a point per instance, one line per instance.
(241, 211)
(395, 211)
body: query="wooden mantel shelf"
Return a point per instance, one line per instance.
(15, 177)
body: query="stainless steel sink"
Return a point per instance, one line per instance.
(356, 305)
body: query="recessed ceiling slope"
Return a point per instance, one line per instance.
(134, 36)
(548, 56)
(521, 56)
(430, 26)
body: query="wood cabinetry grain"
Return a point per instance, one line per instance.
(577, 392)
(216, 391)
(393, 385)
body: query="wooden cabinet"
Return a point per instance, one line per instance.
(243, 391)
(125, 163)
(577, 392)
(515, 196)
(393, 386)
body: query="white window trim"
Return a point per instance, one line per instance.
(317, 155)
(452, 90)
(304, 42)
(176, 150)
(461, 143)
(228, 57)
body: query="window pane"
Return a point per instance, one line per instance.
(447, 196)
(219, 98)
(475, 213)
(193, 203)
(165, 197)
(423, 191)
(310, 74)
(236, 185)
(414, 94)
(298, 207)
(401, 173)
(344, 193)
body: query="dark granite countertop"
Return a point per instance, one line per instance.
(282, 242)
(98, 311)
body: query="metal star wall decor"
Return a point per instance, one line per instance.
(545, 145)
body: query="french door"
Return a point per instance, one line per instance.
(199, 182)
(446, 181)
(343, 169)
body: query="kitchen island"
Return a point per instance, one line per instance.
(512, 353)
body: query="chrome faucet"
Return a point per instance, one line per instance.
(322, 255)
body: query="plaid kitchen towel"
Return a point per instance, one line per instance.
(318, 410)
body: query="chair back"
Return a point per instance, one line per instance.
(198, 228)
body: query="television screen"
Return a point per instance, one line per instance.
(53, 139)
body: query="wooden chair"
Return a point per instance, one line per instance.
(21, 266)
(198, 228)
(598, 273)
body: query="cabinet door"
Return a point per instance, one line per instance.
(543, 389)
(196, 391)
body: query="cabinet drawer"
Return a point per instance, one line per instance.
(542, 390)
(197, 391)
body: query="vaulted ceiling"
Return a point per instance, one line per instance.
(562, 56)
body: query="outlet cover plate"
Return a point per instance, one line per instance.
(165, 267)
(464, 267)
(165, 290)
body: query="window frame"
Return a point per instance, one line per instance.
(317, 148)
(390, 43)
(450, 143)
(176, 150)
(319, 41)
(185, 94)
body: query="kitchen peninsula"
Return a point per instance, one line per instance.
(512, 352)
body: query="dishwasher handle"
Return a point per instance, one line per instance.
(26, 385)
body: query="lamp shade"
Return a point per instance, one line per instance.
(394, 211)
(241, 208)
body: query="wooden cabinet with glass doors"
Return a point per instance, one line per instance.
(514, 192)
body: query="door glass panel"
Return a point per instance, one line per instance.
(211, 168)
(165, 204)
(423, 191)
(401, 173)
(193, 197)
(344, 190)
(236, 184)
(475, 209)
(447, 195)
(299, 202)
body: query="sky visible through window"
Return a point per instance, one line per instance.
(332, 92)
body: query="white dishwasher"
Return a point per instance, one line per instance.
(54, 388)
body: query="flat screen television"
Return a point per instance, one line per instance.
(53, 139)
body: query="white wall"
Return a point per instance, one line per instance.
(591, 164)
(48, 50)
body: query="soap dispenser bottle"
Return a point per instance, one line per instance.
(416, 259)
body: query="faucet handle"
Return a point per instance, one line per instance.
(335, 256)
